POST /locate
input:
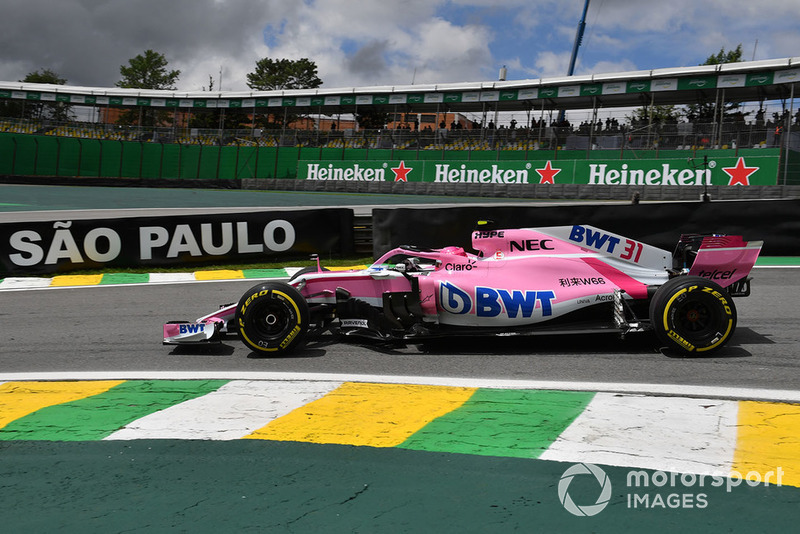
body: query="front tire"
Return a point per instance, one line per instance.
(693, 315)
(272, 319)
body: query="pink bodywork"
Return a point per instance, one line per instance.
(525, 276)
(518, 277)
(725, 259)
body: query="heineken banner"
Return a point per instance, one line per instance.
(744, 171)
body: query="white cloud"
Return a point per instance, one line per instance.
(377, 42)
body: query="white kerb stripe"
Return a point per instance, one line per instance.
(23, 283)
(662, 433)
(162, 278)
(233, 411)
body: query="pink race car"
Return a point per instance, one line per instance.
(552, 280)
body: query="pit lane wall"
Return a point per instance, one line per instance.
(659, 224)
(59, 245)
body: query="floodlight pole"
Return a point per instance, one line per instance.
(575, 46)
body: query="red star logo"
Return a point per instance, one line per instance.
(547, 174)
(740, 175)
(401, 172)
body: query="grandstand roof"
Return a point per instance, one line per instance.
(748, 81)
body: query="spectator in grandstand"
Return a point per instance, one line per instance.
(778, 134)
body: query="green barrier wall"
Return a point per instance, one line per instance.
(41, 155)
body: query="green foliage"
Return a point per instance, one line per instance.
(276, 74)
(272, 74)
(56, 111)
(45, 76)
(372, 120)
(731, 56)
(708, 112)
(148, 71)
(658, 114)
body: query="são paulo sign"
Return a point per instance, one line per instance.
(744, 171)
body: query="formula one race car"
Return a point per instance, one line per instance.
(562, 279)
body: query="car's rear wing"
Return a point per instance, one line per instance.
(724, 259)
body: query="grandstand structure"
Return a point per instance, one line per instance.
(429, 108)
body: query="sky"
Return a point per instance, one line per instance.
(384, 42)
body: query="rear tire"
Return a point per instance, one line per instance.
(272, 319)
(693, 315)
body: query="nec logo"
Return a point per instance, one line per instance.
(191, 328)
(532, 244)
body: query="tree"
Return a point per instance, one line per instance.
(277, 74)
(271, 74)
(372, 120)
(731, 56)
(57, 111)
(218, 118)
(707, 112)
(654, 114)
(147, 71)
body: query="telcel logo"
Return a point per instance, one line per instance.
(718, 275)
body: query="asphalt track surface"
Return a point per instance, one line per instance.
(118, 329)
(199, 486)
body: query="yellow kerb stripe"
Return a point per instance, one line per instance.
(218, 275)
(76, 280)
(768, 439)
(375, 415)
(351, 268)
(18, 399)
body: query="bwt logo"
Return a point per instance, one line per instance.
(191, 328)
(489, 302)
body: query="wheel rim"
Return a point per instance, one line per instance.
(272, 320)
(695, 317)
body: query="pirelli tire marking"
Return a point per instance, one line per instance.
(699, 317)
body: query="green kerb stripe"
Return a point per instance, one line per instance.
(778, 260)
(125, 278)
(265, 273)
(97, 417)
(494, 422)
